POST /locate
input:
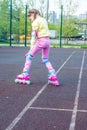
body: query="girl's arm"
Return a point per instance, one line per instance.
(33, 38)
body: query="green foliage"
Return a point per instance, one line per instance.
(70, 27)
(18, 17)
(52, 26)
(4, 15)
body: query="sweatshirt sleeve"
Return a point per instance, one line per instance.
(34, 33)
(33, 38)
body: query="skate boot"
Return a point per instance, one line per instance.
(52, 79)
(23, 79)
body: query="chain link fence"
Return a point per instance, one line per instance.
(15, 28)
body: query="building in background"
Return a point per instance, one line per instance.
(53, 17)
(53, 11)
(83, 16)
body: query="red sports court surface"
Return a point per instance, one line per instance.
(41, 106)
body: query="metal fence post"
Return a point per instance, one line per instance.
(25, 25)
(47, 10)
(61, 25)
(10, 22)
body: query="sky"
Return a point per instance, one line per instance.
(82, 6)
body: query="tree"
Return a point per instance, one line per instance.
(4, 15)
(70, 7)
(69, 20)
(70, 27)
(38, 4)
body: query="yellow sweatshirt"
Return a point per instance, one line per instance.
(39, 29)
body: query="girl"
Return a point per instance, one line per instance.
(39, 41)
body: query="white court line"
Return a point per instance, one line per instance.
(16, 120)
(74, 113)
(57, 109)
(65, 62)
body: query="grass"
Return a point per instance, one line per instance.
(69, 45)
(55, 45)
(13, 44)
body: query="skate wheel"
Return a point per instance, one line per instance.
(16, 81)
(28, 82)
(48, 82)
(56, 83)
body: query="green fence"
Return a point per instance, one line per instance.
(15, 28)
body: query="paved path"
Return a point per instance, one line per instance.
(41, 106)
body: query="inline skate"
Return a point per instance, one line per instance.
(23, 79)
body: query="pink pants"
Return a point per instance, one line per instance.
(44, 45)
